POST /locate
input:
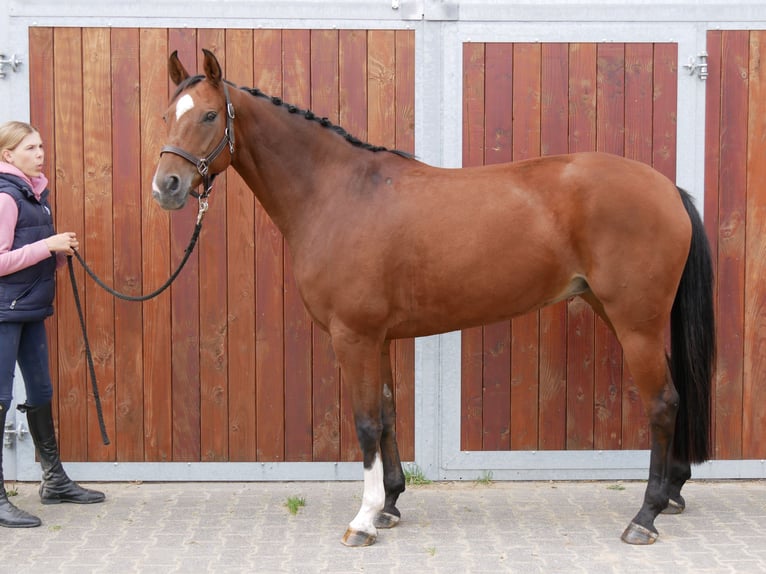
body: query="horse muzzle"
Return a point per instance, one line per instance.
(170, 191)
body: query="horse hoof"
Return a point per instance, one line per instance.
(356, 538)
(674, 507)
(640, 535)
(386, 520)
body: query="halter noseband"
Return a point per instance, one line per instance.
(203, 164)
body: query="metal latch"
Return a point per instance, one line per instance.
(19, 431)
(13, 62)
(698, 65)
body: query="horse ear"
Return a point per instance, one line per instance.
(212, 67)
(176, 69)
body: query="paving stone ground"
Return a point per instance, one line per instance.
(465, 527)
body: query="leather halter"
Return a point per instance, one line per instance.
(203, 164)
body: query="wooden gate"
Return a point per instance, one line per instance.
(226, 365)
(735, 217)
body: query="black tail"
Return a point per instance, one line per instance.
(693, 350)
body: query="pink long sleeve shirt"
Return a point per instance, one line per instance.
(12, 260)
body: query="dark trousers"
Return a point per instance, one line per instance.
(27, 344)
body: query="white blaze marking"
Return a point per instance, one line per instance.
(373, 499)
(184, 105)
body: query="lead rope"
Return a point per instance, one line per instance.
(203, 205)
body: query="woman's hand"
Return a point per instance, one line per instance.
(63, 243)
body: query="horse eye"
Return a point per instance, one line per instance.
(210, 116)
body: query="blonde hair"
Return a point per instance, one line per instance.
(12, 133)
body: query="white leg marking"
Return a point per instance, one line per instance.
(373, 499)
(184, 105)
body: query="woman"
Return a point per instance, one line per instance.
(30, 251)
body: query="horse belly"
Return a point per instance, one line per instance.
(483, 294)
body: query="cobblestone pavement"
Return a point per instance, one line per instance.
(524, 527)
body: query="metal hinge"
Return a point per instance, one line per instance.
(698, 66)
(13, 62)
(10, 432)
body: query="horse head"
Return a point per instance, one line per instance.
(200, 125)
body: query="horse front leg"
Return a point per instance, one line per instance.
(393, 475)
(661, 408)
(359, 359)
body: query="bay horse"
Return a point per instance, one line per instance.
(385, 247)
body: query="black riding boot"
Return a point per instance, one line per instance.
(56, 486)
(10, 516)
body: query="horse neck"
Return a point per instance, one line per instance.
(285, 159)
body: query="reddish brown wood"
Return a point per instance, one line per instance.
(68, 143)
(580, 334)
(473, 155)
(298, 424)
(554, 118)
(639, 72)
(184, 296)
(155, 232)
(665, 105)
(404, 350)
(498, 142)
(712, 162)
(269, 278)
(525, 331)
(128, 324)
(97, 238)
(610, 130)
(731, 243)
(352, 93)
(754, 389)
(325, 370)
(213, 339)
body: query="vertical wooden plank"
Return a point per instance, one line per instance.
(639, 96)
(155, 232)
(184, 296)
(473, 155)
(381, 89)
(128, 324)
(325, 370)
(580, 342)
(754, 389)
(42, 117)
(554, 119)
(665, 105)
(712, 172)
(97, 188)
(498, 148)
(525, 330)
(352, 93)
(610, 129)
(296, 62)
(404, 350)
(731, 243)
(269, 281)
(240, 283)
(68, 97)
(213, 341)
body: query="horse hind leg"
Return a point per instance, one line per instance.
(680, 472)
(646, 359)
(393, 475)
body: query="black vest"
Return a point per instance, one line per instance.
(27, 294)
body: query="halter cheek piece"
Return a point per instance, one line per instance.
(203, 164)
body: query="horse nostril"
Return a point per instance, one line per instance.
(172, 183)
